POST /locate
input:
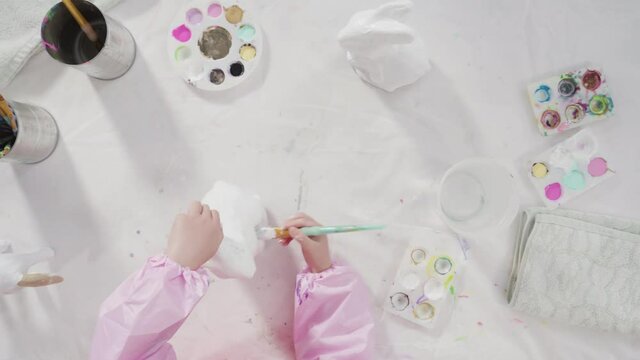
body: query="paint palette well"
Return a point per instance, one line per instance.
(424, 288)
(569, 169)
(571, 100)
(215, 45)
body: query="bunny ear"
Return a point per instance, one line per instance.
(26, 260)
(397, 10)
(390, 32)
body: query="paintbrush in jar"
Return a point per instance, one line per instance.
(81, 20)
(7, 113)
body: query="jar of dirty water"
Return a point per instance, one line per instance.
(106, 50)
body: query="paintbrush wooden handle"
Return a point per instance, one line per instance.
(6, 111)
(81, 20)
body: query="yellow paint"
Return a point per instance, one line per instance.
(233, 14)
(448, 280)
(247, 52)
(430, 265)
(539, 170)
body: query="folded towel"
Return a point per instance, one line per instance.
(20, 32)
(578, 268)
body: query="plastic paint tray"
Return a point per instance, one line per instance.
(215, 44)
(570, 100)
(569, 169)
(424, 288)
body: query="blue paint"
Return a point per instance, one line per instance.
(542, 94)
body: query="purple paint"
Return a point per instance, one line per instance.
(214, 10)
(181, 33)
(194, 16)
(597, 167)
(553, 191)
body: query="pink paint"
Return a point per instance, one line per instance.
(181, 33)
(518, 321)
(563, 127)
(553, 191)
(214, 10)
(50, 46)
(597, 167)
(194, 16)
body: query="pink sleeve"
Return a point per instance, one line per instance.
(143, 313)
(332, 317)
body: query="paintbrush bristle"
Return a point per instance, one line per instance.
(266, 233)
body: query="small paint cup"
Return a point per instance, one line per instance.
(37, 134)
(108, 58)
(478, 197)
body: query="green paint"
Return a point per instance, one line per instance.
(452, 290)
(448, 280)
(460, 338)
(599, 104)
(574, 180)
(246, 33)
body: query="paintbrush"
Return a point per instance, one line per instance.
(7, 113)
(268, 233)
(81, 20)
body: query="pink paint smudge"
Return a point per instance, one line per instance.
(181, 33)
(50, 46)
(463, 296)
(518, 321)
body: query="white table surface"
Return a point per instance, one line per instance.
(306, 133)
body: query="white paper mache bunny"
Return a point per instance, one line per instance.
(13, 269)
(384, 51)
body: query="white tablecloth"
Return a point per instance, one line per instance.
(307, 134)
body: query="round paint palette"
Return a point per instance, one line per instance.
(215, 45)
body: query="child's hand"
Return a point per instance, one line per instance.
(195, 236)
(315, 249)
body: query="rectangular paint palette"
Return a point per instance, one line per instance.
(570, 100)
(214, 44)
(424, 288)
(569, 169)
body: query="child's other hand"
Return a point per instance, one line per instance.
(195, 236)
(315, 249)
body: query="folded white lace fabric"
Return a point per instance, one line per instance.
(20, 32)
(578, 268)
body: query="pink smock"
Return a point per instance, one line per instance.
(332, 318)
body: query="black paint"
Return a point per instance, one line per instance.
(236, 69)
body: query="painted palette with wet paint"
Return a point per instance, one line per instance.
(569, 169)
(570, 100)
(215, 45)
(424, 289)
